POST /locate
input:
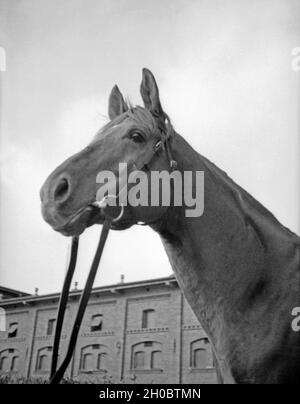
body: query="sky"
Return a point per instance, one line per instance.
(225, 78)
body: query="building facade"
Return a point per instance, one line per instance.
(6, 293)
(139, 332)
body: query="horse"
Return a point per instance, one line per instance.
(237, 265)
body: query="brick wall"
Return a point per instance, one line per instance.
(165, 345)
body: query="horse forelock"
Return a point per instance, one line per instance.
(142, 116)
(139, 115)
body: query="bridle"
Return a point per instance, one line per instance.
(110, 217)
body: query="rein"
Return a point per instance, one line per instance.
(57, 374)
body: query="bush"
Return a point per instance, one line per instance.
(13, 379)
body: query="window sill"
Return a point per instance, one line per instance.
(92, 372)
(146, 371)
(203, 370)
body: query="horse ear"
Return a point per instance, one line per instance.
(116, 103)
(150, 94)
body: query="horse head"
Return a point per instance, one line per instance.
(133, 136)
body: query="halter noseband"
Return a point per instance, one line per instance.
(57, 374)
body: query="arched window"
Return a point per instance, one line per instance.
(199, 358)
(42, 362)
(44, 359)
(148, 318)
(9, 360)
(94, 358)
(201, 354)
(147, 355)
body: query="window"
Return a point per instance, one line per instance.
(156, 360)
(148, 318)
(201, 354)
(4, 363)
(94, 358)
(13, 330)
(147, 356)
(9, 360)
(51, 325)
(42, 362)
(87, 362)
(139, 360)
(14, 363)
(44, 359)
(97, 321)
(101, 361)
(199, 358)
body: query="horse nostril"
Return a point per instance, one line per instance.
(61, 190)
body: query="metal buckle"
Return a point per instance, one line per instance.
(173, 164)
(158, 145)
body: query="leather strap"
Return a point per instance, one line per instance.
(63, 304)
(58, 375)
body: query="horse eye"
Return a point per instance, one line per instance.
(137, 137)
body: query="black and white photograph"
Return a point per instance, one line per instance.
(149, 194)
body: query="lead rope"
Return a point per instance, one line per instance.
(63, 303)
(57, 375)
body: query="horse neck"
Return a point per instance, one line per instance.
(205, 250)
(218, 258)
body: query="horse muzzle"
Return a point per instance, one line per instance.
(71, 225)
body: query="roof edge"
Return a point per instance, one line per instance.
(99, 289)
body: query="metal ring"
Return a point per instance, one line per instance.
(102, 205)
(120, 215)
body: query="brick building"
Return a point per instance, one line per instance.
(141, 332)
